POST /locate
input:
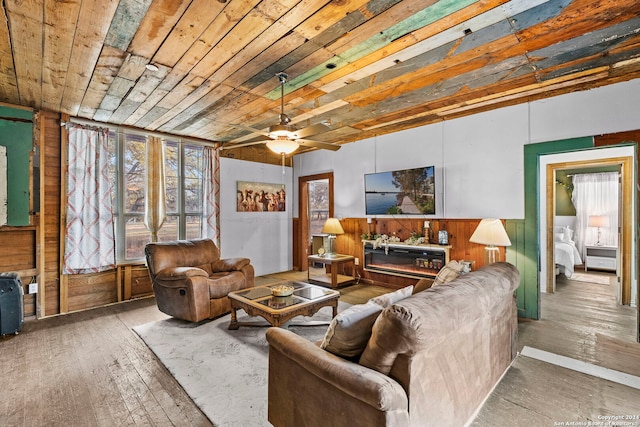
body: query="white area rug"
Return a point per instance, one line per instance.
(592, 278)
(224, 372)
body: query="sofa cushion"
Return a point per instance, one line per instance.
(350, 330)
(448, 273)
(391, 298)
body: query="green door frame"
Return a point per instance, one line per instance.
(525, 253)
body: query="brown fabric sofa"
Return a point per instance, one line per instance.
(191, 282)
(431, 360)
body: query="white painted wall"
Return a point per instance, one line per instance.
(479, 159)
(263, 237)
(463, 183)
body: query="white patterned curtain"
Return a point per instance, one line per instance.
(89, 237)
(211, 194)
(595, 194)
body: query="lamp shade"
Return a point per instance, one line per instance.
(283, 146)
(332, 226)
(490, 232)
(598, 221)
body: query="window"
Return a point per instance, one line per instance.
(183, 182)
(183, 177)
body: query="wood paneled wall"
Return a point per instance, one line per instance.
(18, 253)
(460, 230)
(48, 134)
(34, 251)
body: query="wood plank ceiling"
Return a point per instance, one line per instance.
(204, 68)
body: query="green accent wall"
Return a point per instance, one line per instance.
(525, 250)
(564, 191)
(17, 136)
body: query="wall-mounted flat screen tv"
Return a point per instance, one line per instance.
(408, 191)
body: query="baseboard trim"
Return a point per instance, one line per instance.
(583, 367)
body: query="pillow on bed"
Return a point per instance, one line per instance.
(568, 234)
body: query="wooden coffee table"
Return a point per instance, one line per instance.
(306, 300)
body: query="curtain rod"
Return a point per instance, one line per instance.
(121, 129)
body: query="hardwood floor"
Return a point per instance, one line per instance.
(581, 321)
(91, 369)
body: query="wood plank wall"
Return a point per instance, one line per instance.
(50, 146)
(460, 230)
(34, 251)
(17, 253)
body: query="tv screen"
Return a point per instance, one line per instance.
(408, 191)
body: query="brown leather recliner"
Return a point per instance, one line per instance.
(191, 282)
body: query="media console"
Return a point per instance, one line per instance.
(405, 260)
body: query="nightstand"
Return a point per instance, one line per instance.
(601, 257)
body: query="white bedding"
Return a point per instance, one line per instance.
(566, 257)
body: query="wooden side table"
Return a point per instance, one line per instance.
(332, 264)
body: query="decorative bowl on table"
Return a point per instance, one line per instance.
(281, 290)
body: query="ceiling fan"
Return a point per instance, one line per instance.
(285, 138)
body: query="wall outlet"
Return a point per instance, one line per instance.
(33, 288)
(357, 261)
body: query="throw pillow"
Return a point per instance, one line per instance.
(391, 298)
(350, 330)
(422, 285)
(448, 273)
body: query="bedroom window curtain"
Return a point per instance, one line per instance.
(595, 194)
(89, 236)
(211, 194)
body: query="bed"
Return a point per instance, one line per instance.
(566, 253)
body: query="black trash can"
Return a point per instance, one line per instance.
(11, 305)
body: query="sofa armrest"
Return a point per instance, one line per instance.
(371, 387)
(180, 273)
(230, 264)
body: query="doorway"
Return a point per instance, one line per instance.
(315, 206)
(586, 206)
(626, 271)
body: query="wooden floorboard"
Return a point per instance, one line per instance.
(582, 321)
(90, 368)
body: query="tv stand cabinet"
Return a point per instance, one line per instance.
(399, 259)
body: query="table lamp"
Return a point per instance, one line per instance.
(598, 221)
(332, 227)
(491, 232)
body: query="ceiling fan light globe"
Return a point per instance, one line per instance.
(282, 146)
